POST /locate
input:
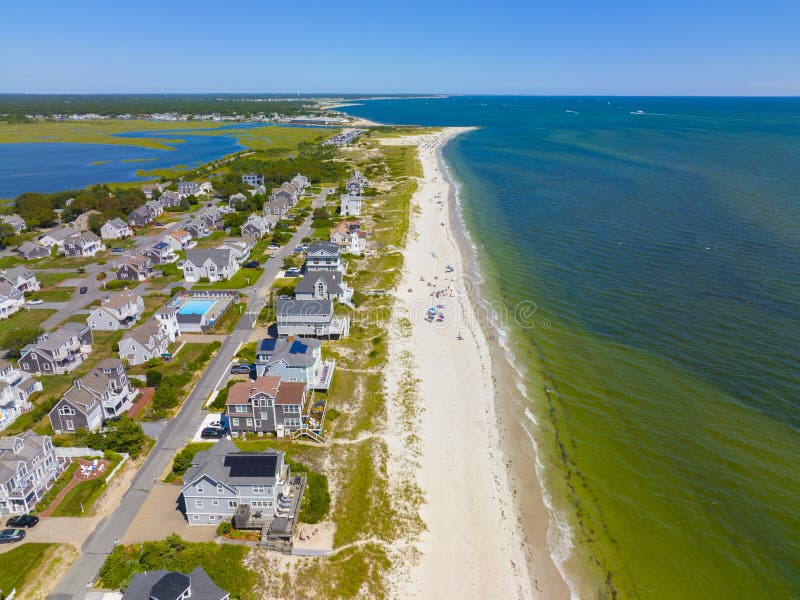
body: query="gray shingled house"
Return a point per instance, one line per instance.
(171, 585)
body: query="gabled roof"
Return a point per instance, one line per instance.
(18, 272)
(219, 256)
(291, 392)
(304, 308)
(159, 584)
(61, 233)
(323, 248)
(225, 464)
(241, 391)
(295, 353)
(332, 280)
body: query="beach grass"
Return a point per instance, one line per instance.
(20, 563)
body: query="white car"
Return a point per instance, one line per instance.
(35, 302)
(273, 247)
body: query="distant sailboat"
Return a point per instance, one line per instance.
(638, 112)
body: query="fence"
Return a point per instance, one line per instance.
(62, 452)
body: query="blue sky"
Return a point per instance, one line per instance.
(702, 47)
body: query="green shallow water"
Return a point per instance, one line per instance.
(661, 362)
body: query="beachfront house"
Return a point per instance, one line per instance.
(115, 229)
(28, 468)
(16, 388)
(22, 279)
(267, 405)
(294, 360)
(134, 268)
(103, 393)
(356, 183)
(215, 264)
(160, 584)
(300, 183)
(349, 237)
(58, 352)
(117, 312)
(324, 256)
(312, 318)
(225, 484)
(85, 244)
(323, 285)
(31, 251)
(350, 205)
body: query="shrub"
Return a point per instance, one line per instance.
(154, 377)
(224, 528)
(116, 284)
(101, 275)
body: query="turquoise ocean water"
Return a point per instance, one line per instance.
(659, 239)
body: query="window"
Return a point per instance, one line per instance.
(231, 503)
(212, 517)
(198, 504)
(235, 422)
(264, 416)
(240, 408)
(220, 489)
(66, 410)
(215, 503)
(249, 422)
(199, 488)
(292, 409)
(196, 517)
(258, 489)
(291, 422)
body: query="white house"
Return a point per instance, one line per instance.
(28, 468)
(21, 278)
(84, 244)
(350, 205)
(179, 239)
(241, 248)
(115, 229)
(16, 222)
(57, 237)
(15, 388)
(256, 226)
(216, 264)
(120, 311)
(150, 340)
(11, 299)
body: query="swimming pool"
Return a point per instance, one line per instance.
(196, 307)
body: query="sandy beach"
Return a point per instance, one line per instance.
(486, 523)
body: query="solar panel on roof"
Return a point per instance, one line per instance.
(268, 344)
(251, 465)
(298, 348)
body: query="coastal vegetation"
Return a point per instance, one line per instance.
(20, 564)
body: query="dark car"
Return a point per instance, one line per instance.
(9, 536)
(212, 433)
(159, 224)
(241, 369)
(252, 264)
(83, 289)
(118, 250)
(26, 521)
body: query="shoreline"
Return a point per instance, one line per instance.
(487, 522)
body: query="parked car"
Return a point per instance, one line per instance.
(241, 369)
(293, 272)
(252, 264)
(211, 433)
(26, 521)
(35, 302)
(118, 250)
(273, 247)
(159, 224)
(9, 536)
(83, 289)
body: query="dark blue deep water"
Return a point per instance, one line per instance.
(660, 240)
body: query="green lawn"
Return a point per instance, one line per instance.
(85, 493)
(33, 317)
(51, 279)
(242, 278)
(53, 294)
(19, 563)
(7, 262)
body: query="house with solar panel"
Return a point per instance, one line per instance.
(295, 360)
(254, 490)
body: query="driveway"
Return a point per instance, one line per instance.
(58, 530)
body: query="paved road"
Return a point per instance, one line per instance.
(176, 434)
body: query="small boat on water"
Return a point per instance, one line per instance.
(638, 112)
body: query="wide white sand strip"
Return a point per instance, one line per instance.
(473, 545)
